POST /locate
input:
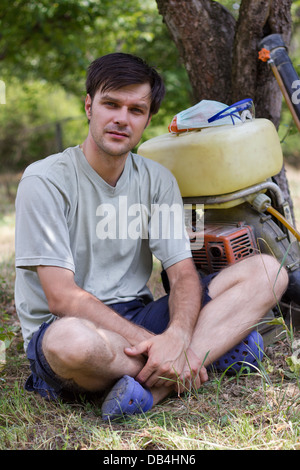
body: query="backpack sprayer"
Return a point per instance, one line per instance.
(224, 160)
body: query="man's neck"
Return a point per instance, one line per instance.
(109, 168)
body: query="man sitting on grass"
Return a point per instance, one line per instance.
(84, 246)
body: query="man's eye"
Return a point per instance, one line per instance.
(111, 104)
(137, 111)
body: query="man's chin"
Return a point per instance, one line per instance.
(117, 152)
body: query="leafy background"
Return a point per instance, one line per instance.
(45, 49)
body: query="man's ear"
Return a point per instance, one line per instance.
(88, 106)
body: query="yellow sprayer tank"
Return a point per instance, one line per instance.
(218, 160)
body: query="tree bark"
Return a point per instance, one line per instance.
(220, 54)
(251, 77)
(203, 32)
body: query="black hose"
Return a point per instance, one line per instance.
(279, 55)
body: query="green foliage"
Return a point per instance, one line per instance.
(45, 39)
(45, 49)
(293, 360)
(59, 39)
(28, 122)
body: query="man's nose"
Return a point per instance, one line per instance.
(121, 116)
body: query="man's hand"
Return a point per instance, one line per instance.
(165, 359)
(167, 354)
(194, 374)
(170, 363)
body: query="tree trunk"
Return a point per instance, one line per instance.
(250, 76)
(203, 32)
(221, 54)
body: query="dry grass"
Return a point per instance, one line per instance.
(260, 411)
(256, 412)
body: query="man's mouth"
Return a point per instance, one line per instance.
(117, 134)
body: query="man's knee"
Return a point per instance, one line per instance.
(260, 271)
(268, 272)
(69, 343)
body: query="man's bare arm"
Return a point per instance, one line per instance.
(185, 298)
(167, 352)
(65, 298)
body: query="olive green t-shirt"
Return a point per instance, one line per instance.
(68, 216)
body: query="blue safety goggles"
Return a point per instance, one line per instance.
(236, 110)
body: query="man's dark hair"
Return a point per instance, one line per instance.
(117, 70)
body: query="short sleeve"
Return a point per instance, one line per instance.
(168, 238)
(42, 236)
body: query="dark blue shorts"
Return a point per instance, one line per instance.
(153, 316)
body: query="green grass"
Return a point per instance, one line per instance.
(258, 412)
(245, 415)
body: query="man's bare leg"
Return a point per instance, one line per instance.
(91, 358)
(241, 295)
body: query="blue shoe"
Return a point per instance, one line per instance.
(245, 354)
(127, 397)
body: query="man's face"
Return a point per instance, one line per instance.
(118, 118)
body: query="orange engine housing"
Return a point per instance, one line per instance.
(223, 244)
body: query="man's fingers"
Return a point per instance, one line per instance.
(140, 348)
